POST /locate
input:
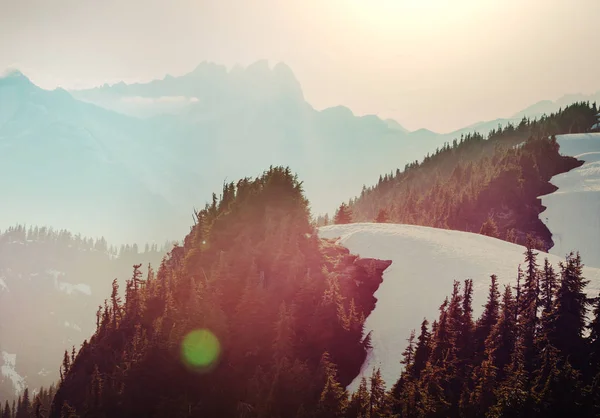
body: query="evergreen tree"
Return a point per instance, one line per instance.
(382, 216)
(334, 398)
(548, 285)
(24, 406)
(529, 303)
(377, 394)
(409, 353)
(6, 411)
(569, 314)
(359, 402)
(343, 215)
(422, 350)
(594, 338)
(489, 228)
(489, 317)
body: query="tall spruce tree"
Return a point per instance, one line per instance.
(569, 314)
(343, 215)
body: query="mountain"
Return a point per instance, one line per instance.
(74, 165)
(159, 148)
(425, 262)
(249, 118)
(548, 106)
(87, 162)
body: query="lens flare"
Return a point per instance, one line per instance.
(200, 349)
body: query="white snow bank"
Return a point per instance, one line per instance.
(8, 370)
(425, 262)
(3, 285)
(68, 288)
(573, 211)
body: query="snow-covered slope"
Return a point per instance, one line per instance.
(573, 211)
(425, 262)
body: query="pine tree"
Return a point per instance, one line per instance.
(409, 353)
(6, 412)
(594, 338)
(488, 318)
(569, 314)
(489, 228)
(513, 395)
(343, 215)
(68, 411)
(116, 304)
(422, 350)
(382, 216)
(359, 402)
(500, 344)
(377, 393)
(529, 303)
(548, 285)
(24, 406)
(334, 398)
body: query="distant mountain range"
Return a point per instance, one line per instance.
(131, 161)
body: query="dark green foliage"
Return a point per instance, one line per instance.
(594, 338)
(567, 323)
(478, 181)
(343, 215)
(489, 228)
(382, 216)
(287, 308)
(26, 407)
(504, 365)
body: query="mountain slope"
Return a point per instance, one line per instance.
(234, 124)
(281, 311)
(74, 165)
(249, 118)
(479, 181)
(51, 283)
(573, 211)
(425, 262)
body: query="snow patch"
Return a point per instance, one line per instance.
(425, 262)
(8, 370)
(3, 285)
(68, 288)
(72, 325)
(573, 211)
(43, 372)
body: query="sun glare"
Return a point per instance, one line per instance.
(404, 14)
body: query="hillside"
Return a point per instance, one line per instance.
(573, 211)
(425, 262)
(76, 166)
(481, 181)
(253, 313)
(51, 283)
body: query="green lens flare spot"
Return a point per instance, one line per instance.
(200, 348)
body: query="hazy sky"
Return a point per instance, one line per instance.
(439, 64)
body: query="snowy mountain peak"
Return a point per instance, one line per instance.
(14, 77)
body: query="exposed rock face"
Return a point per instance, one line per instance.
(360, 276)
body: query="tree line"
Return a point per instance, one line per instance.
(285, 309)
(477, 180)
